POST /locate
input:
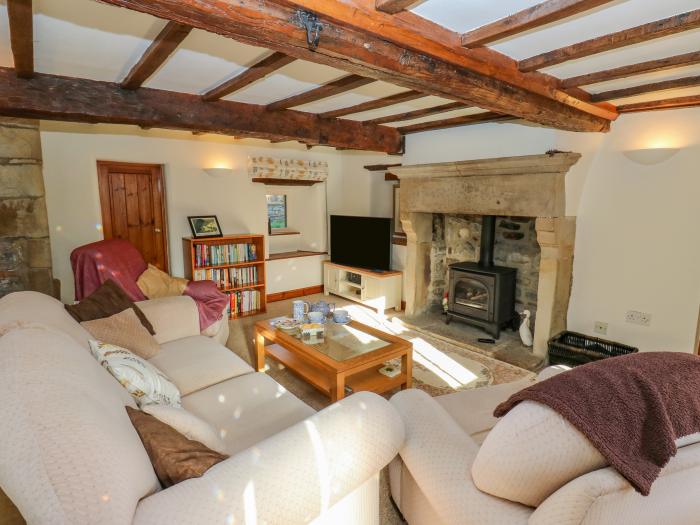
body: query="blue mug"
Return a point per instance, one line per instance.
(341, 316)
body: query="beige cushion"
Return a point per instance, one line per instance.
(187, 424)
(68, 452)
(197, 362)
(172, 317)
(155, 283)
(531, 453)
(247, 409)
(140, 378)
(40, 308)
(124, 329)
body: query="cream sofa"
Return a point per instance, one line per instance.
(69, 454)
(454, 446)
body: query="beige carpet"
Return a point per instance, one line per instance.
(440, 367)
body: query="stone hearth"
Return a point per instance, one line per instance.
(527, 187)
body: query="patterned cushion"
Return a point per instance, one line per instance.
(124, 329)
(531, 453)
(187, 424)
(141, 379)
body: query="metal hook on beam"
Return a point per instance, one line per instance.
(313, 26)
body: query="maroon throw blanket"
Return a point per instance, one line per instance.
(115, 259)
(632, 408)
(119, 260)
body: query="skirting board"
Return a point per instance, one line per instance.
(291, 294)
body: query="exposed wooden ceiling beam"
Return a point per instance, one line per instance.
(393, 6)
(466, 120)
(530, 18)
(256, 72)
(21, 22)
(331, 89)
(157, 53)
(350, 46)
(411, 115)
(647, 88)
(433, 41)
(627, 37)
(651, 66)
(52, 97)
(656, 105)
(391, 100)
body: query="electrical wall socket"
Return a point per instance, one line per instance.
(600, 327)
(640, 318)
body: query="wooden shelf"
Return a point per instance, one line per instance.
(284, 232)
(241, 288)
(350, 283)
(248, 314)
(286, 182)
(231, 265)
(293, 255)
(189, 246)
(368, 380)
(381, 167)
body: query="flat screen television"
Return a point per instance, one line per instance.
(362, 242)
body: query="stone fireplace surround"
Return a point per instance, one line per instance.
(527, 186)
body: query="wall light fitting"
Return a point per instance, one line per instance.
(218, 172)
(650, 156)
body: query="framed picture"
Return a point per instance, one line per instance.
(204, 226)
(276, 213)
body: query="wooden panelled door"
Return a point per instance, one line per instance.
(132, 197)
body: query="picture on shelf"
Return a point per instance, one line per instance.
(276, 212)
(203, 226)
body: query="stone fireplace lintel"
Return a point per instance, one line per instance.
(528, 186)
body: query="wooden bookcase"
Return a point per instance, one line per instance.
(189, 246)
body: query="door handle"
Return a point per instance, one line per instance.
(157, 230)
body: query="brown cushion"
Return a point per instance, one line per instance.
(107, 300)
(174, 457)
(155, 283)
(124, 329)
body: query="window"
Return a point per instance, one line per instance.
(276, 212)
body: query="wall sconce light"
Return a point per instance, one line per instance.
(650, 156)
(218, 172)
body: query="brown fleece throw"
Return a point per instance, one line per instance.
(632, 408)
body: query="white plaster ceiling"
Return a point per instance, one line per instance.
(84, 38)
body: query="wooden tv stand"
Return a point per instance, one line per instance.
(378, 290)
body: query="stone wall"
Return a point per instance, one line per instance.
(457, 238)
(25, 252)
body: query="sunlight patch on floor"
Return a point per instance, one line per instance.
(371, 318)
(440, 364)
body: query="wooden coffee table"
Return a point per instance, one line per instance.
(348, 356)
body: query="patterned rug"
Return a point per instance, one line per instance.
(439, 367)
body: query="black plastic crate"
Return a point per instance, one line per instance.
(573, 349)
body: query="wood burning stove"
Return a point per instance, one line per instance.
(481, 293)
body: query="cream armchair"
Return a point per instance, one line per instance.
(437, 477)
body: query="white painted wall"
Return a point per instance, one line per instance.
(638, 244)
(70, 155)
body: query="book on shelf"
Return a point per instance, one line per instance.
(244, 302)
(221, 254)
(228, 277)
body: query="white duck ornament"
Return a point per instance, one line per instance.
(525, 332)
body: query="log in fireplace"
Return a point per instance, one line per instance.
(482, 293)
